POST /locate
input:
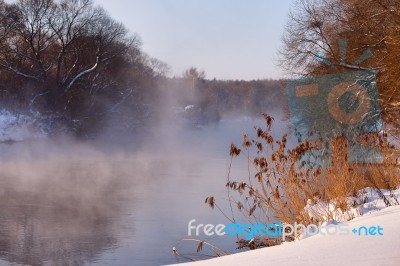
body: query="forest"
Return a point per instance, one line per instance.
(70, 61)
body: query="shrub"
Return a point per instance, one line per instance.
(279, 187)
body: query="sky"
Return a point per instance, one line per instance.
(228, 39)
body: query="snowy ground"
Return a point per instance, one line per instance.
(329, 250)
(18, 127)
(351, 249)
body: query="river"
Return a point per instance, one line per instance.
(70, 203)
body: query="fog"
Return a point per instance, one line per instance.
(117, 198)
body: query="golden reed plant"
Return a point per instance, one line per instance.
(279, 187)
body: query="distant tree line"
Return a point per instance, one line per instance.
(228, 97)
(71, 59)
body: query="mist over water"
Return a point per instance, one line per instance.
(115, 200)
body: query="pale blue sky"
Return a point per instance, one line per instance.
(228, 39)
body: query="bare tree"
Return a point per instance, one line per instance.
(313, 31)
(61, 42)
(71, 57)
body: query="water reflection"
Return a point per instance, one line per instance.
(59, 210)
(36, 235)
(66, 204)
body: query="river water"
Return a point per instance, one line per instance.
(65, 203)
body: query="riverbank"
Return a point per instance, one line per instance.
(351, 249)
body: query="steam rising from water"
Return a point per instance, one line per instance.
(67, 202)
(60, 202)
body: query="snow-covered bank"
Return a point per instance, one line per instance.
(329, 250)
(18, 127)
(369, 209)
(367, 200)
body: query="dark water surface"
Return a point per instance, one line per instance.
(67, 204)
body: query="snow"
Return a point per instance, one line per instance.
(328, 250)
(367, 200)
(189, 107)
(18, 127)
